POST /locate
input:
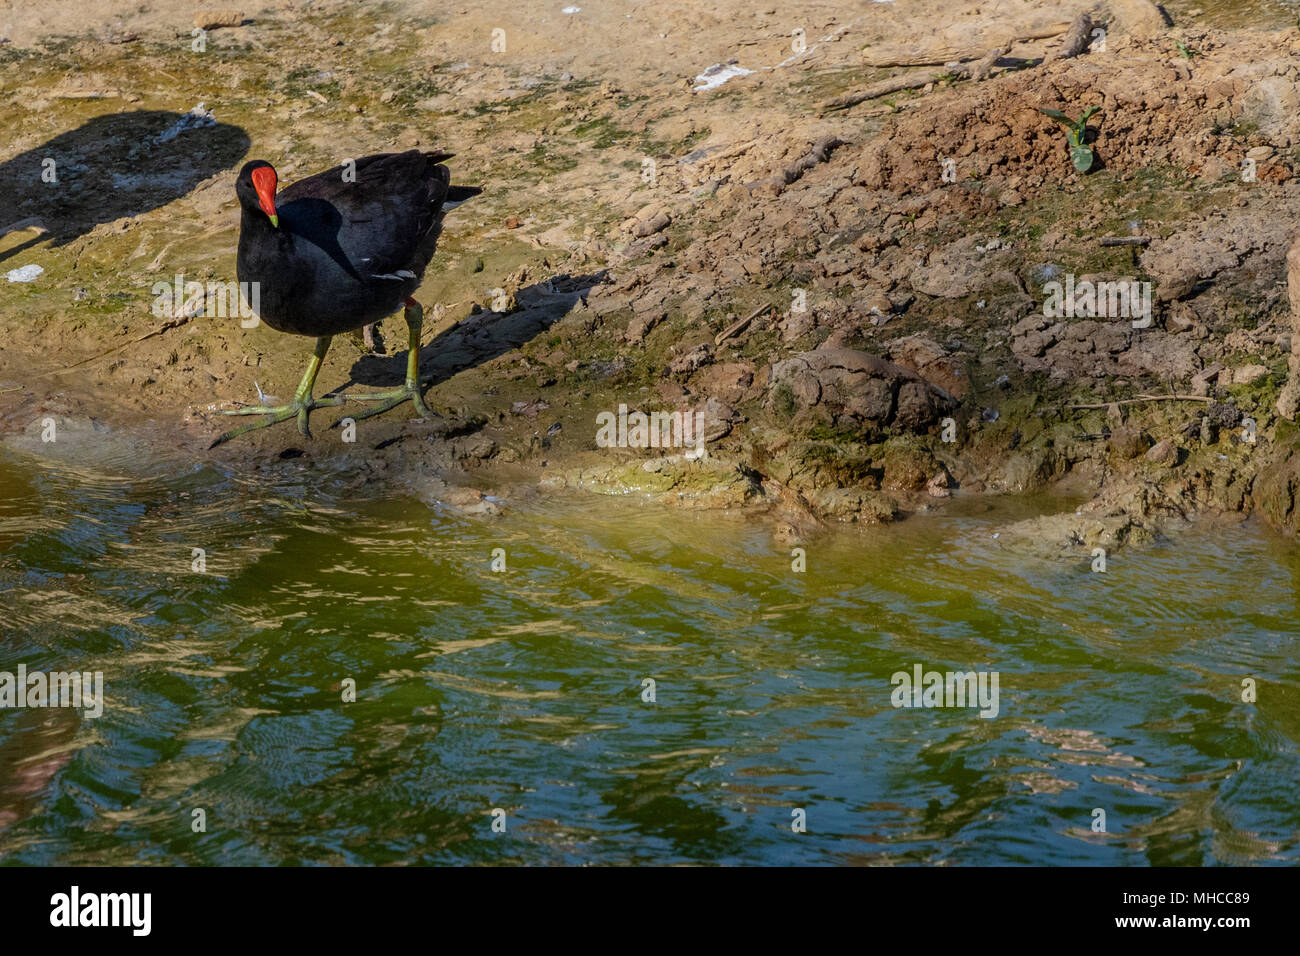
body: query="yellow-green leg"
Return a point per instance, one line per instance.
(300, 407)
(414, 316)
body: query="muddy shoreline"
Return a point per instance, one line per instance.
(851, 300)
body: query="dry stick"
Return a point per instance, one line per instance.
(1043, 33)
(1146, 398)
(1076, 40)
(820, 153)
(883, 88)
(214, 19)
(956, 54)
(976, 71)
(739, 325)
(1079, 31)
(984, 66)
(166, 326)
(1126, 241)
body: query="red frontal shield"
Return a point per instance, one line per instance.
(264, 182)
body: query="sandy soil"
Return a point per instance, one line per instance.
(579, 281)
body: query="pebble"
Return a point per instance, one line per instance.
(1163, 452)
(1249, 374)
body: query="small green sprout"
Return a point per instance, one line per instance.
(1080, 152)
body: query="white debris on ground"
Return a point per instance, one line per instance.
(718, 74)
(25, 274)
(196, 118)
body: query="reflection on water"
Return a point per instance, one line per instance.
(523, 690)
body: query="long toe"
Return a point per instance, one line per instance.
(423, 410)
(276, 414)
(390, 400)
(273, 417)
(257, 410)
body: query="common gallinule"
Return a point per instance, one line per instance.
(338, 251)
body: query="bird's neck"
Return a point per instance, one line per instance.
(255, 225)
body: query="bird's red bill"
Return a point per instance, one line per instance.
(264, 183)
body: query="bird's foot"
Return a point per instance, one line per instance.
(388, 400)
(298, 408)
(411, 391)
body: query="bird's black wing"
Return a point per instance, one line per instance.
(385, 212)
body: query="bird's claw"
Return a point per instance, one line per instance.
(392, 399)
(298, 408)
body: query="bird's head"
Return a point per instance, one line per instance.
(255, 188)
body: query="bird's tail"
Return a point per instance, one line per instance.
(459, 194)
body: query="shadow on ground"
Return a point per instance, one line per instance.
(113, 166)
(481, 337)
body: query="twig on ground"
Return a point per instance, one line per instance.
(1076, 39)
(739, 325)
(948, 55)
(973, 71)
(820, 153)
(166, 326)
(1147, 398)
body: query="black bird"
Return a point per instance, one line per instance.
(338, 251)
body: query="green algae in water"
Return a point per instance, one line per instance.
(523, 689)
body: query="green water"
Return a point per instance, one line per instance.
(523, 690)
